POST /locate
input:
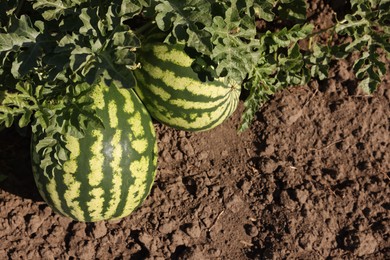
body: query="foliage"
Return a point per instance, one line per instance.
(3, 177)
(49, 47)
(49, 50)
(369, 29)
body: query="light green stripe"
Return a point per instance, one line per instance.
(139, 170)
(95, 205)
(135, 125)
(178, 57)
(112, 114)
(72, 192)
(139, 145)
(159, 91)
(73, 146)
(152, 130)
(98, 97)
(96, 162)
(95, 177)
(129, 104)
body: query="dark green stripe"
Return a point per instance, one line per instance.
(108, 135)
(128, 155)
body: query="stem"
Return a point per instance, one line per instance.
(19, 8)
(322, 31)
(344, 24)
(147, 26)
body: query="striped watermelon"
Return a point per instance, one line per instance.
(174, 94)
(108, 172)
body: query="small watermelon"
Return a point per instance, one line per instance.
(108, 172)
(175, 95)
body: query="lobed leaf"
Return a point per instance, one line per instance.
(294, 10)
(183, 19)
(54, 9)
(264, 9)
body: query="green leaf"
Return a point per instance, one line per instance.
(124, 56)
(26, 60)
(19, 105)
(45, 143)
(54, 9)
(369, 69)
(318, 61)
(358, 43)
(285, 37)
(27, 43)
(264, 9)
(353, 26)
(261, 87)
(382, 40)
(3, 177)
(384, 15)
(90, 19)
(130, 8)
(368, 85)
(236, 50)
(7, 9)
(294, 10)
(19, 34)
(183, 18)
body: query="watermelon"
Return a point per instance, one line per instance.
(174, 94)
(109, 171)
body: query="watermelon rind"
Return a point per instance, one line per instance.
(174, 93)
(107, 173)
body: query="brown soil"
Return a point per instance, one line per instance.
(309, 180)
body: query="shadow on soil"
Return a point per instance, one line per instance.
(15, 164)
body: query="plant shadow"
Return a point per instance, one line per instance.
(15, 164)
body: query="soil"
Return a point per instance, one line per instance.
(309, 180)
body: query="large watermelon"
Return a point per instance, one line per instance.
(175, 95)
(108, 172)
